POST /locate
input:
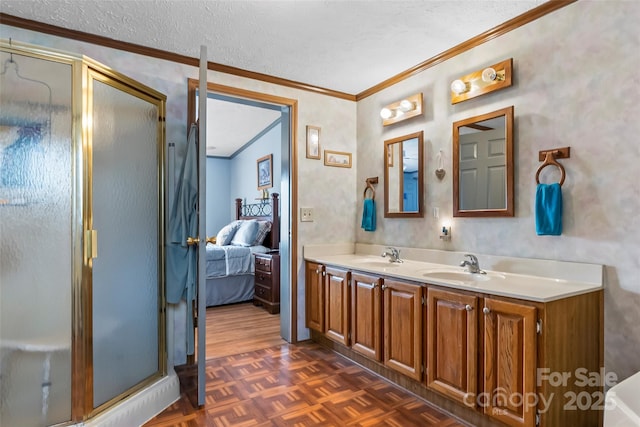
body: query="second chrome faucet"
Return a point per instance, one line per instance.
(472, 264)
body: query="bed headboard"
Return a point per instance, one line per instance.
(268, 210)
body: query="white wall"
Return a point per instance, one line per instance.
(575, 84)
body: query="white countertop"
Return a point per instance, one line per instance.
(588, 277)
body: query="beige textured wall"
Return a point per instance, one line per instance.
(575, 84)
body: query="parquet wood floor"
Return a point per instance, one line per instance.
(299, 385)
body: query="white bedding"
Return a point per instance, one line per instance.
(230, 260)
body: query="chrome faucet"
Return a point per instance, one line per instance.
(472, 264)
(392, 253)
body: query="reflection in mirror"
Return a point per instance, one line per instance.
(483, 165)
(403, 176)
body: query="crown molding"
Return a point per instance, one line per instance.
(53, 30)
(497, 31)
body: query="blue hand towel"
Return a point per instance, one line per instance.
(549, 209)
(369, 215)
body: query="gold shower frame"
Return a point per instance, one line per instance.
(84, 70)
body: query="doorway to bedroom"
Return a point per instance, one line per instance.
(250, 147)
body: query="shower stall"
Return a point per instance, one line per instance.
(82, 325)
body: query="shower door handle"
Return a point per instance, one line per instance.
(191, 241)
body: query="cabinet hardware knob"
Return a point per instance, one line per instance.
(374, 284)
(468, 307)
(383, 287)
(486, 310)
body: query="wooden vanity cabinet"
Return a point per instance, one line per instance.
(451, 344)
(402, 319)
(483, 351)
(314, 296)
(366, 315)
(336, 307)
(509, 361)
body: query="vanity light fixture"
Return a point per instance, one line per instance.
(402, 110)
(494, 77)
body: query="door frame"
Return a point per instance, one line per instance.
(293, 174)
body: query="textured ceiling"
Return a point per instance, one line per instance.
(347, 46)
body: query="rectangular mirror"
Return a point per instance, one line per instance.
(404, 176)
(483, 165)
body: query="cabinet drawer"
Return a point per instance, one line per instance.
(263, 278)
(263, 292)
(263, 264)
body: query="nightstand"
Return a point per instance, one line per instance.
(267, 281)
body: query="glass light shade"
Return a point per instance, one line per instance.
(458, 86)
(406, 105)
(386, 113)
(489, 74)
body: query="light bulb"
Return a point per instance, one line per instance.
(386, 113)
(406, 105)
(458, 86)
(489, 75)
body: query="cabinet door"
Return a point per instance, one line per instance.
(509, 362)
(366, 329)
(314, 296)
(403, 327)
(336, 308)
(452, 329)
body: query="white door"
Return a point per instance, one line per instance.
(483, 177)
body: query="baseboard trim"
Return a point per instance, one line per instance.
(141, 406)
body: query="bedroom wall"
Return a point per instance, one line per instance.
(218, 192)
(330, 190)
(243, 172)
(230, 178)
(575, 84)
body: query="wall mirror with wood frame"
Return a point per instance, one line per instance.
(404, 176)
(483, 165)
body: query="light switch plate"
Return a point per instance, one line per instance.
(306, 214)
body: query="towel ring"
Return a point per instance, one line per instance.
(550, 160)
(373, 191)
(370, 182)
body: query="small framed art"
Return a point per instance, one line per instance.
(265, 172)
(337, 158)
(313, 142)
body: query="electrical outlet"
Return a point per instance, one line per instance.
(306, 214)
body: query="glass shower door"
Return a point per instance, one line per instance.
(126, 215)
(36, 203)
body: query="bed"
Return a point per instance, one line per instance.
(230, 264)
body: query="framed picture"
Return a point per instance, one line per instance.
(265, 172)
(389, 155)
(337, 158)
(313, 142)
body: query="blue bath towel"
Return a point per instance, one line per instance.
(549, 209)
(369, 215)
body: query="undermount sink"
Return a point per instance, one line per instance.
(461, 276)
